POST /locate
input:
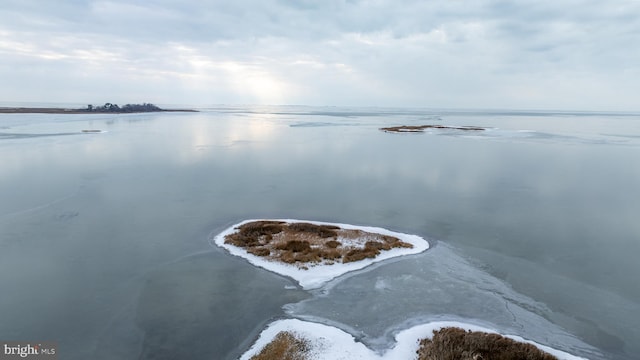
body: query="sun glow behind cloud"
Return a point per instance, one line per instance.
(243, 78)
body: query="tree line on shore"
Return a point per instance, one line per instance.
(109, 107)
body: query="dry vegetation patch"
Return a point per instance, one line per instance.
(306, 243)
(284, 346)
(457, 344)
(421, 128)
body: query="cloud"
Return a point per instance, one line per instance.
(486, 53)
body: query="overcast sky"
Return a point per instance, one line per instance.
(518, 54)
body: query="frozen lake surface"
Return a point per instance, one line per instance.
(105, 237)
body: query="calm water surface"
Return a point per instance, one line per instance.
(104, 238)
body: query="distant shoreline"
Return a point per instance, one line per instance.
(35, 110)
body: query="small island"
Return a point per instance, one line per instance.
(313, 252)
(107, 108)
(421, 128)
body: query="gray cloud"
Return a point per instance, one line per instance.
(487, 53)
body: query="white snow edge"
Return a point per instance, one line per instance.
(318, 275)
(331, 343)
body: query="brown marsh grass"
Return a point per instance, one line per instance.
(457, 344)
(285, 346)
(305, 243)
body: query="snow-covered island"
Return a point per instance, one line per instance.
(304, 340)
(314, 252)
